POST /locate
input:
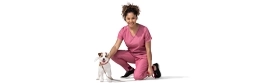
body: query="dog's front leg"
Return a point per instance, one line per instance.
(101, 76)
(109, 74)
(98, 74)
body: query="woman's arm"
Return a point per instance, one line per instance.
(115, 48)
(148, 39)
(148, 52)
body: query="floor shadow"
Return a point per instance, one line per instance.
(150, 78)
(170, 77)
(167, 77)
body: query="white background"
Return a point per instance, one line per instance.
(194, 41)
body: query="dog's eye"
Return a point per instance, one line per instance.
(105, 55)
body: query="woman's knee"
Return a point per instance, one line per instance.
(139, 76)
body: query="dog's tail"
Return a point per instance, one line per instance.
(96, 59)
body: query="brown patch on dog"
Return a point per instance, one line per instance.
(100, 54)
(106, 54)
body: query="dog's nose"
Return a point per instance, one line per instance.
(103, 59)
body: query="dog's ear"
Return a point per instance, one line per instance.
(99, 54)
(106, 53)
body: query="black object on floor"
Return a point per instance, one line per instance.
(157, 73)
(128, 73)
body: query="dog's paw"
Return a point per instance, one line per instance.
(98, 78)
(101, 80)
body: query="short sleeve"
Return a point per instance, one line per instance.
(147, 35)
(121, 32)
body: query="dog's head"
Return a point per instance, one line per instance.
(102, 56)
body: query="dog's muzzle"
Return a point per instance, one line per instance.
(103, 59)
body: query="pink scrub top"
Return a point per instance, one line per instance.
(135, 44)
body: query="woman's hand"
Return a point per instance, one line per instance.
(150, 71)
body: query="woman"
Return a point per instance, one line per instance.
(138, 40)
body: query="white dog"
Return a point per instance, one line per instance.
(104, 69)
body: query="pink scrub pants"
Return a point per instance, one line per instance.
(123, 57)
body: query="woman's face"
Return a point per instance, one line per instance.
(131, 19)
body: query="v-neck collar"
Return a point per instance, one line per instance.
(138, 26)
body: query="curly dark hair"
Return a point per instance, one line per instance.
(130, 8)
